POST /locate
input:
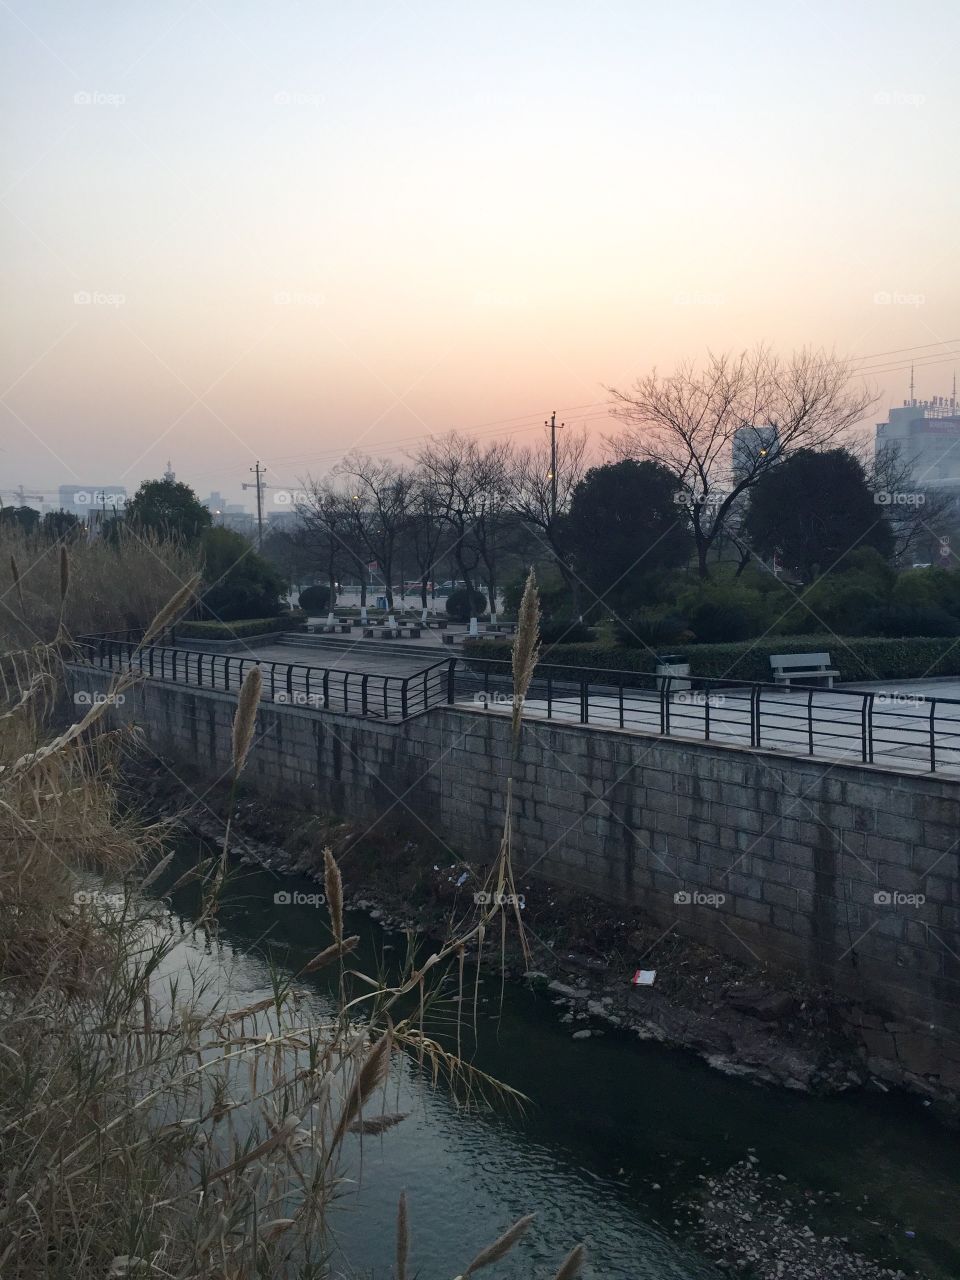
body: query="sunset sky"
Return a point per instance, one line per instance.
(308, 226)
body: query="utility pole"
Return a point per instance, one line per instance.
(552, 424)
(256, 470)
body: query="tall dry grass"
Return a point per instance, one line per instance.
(112, 586)
(149, 1127)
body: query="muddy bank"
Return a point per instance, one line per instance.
(740, 1017)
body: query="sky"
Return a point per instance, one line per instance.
(238, 231)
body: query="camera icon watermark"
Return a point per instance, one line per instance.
(301, 699)
(290, 497)
(96, 98)
(295, 98)
(97, 298)
(897, 98)
(694, 898)
(97, 898)
(488, 698)
(87, 698)
(894, 898)
(894, 298)
(295, 898)
(297, 298)
(485, 899)
(890, 498)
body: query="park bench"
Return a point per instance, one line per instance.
(413, 632)
(448, 637)
(346, 627)
(368, 633)
(390, 633)
(802, 666)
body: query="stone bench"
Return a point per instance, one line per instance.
(787, 667)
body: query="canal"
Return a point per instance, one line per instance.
(616, 1139)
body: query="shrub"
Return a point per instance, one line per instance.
(462, 607)
(657, 627)
(243, 584)
(561, 632)
(906, 620)
(723, 611)
(315, 599)
(212, 630)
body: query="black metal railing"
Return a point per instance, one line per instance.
(870, 725)
(912, 731)
(364, 693)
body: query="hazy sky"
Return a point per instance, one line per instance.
(305, 226)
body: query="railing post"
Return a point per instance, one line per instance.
(870, 698)
(200, 669)
(326, 687)
(290, 682)
(451, 681)
(864, 749)
(620, 692)
(584, 701)
(549, 697)
(933, 738)
(706, 713)
(150, 661)
(755, 715)
(403, 696)
(364, 680)
(810, 719)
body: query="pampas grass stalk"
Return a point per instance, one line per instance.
(334, 888)
(403, 1237)
(245, 720)
(572, 1264)
(500, 1247)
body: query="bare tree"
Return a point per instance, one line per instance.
(426, 531)
(918, 514)
(720, 428)
(447, 466)
(380, 500)
(325, 528)
(532, 494)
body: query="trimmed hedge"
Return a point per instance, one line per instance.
(213, 630)
(856, 657)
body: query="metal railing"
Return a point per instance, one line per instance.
(912, 731)
(873, 726)
(362, 693)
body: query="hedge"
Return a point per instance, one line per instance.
(856, 657)
(213, 630)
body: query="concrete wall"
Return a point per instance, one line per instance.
(798, 848)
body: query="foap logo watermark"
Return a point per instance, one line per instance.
(898, 98)
(97, 98)
(301, 699)
(97, 298)
(297, 298)
(290, 497)
(697, 498)
(694, 898)
(698, 298)
(894, 298)
(298, 98)
(700, 699)
(894, 898)
(97, 898)
(98, 498)
(485, 698)
(890, 498)
(898, 700)
(87, 698)
(485, 899)
(296, 898)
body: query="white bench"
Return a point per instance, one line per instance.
(802, 666)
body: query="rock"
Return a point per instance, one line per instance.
(582, 1035)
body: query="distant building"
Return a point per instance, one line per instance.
(217, 505)
(926, 433)
(79, 499)
(750, 444)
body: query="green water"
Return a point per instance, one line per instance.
(608, 1119)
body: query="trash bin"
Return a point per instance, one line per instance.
(672, 666)
(381, 602)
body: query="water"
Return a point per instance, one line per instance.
(608, 1118)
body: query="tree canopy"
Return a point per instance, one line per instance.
(168, 508)
(813, 509)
